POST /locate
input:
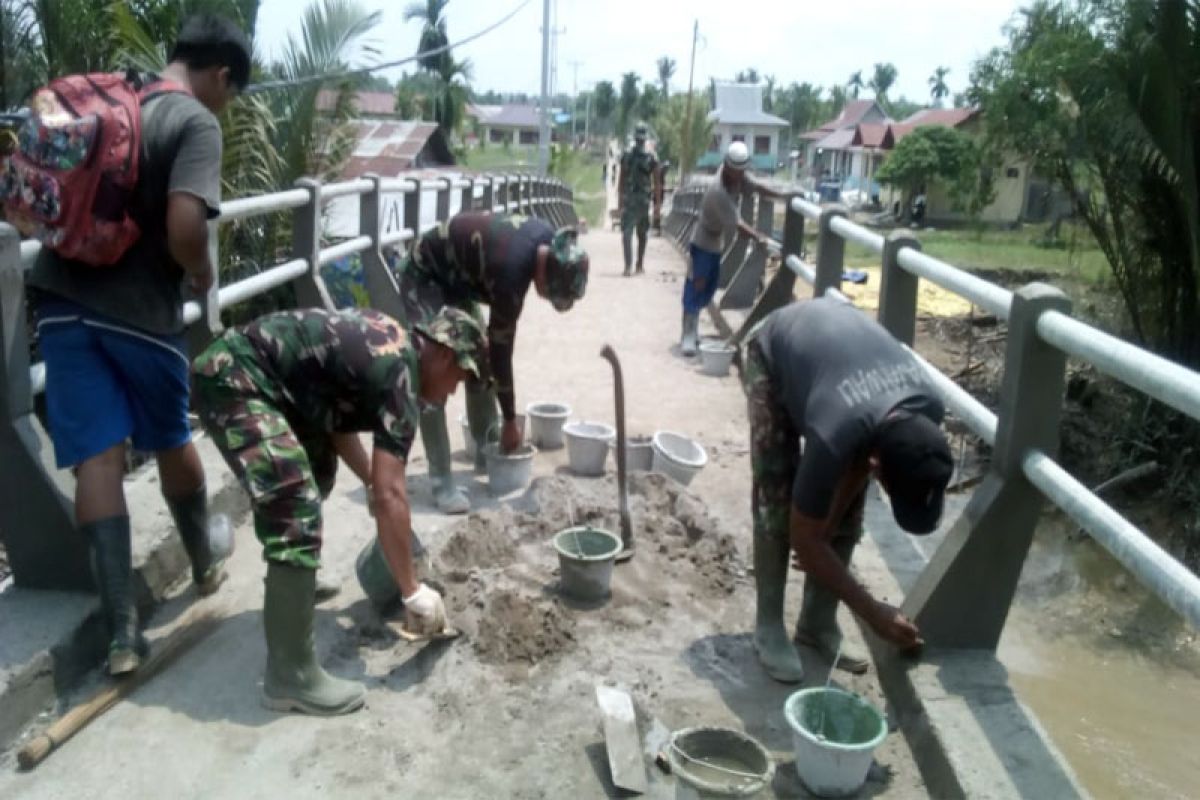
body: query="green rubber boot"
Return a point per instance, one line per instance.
(112, 567)
(689, 341)
(448, 498)
(191, 520)
(294, 681)
(818, 627)
(482, 418)
(775, 650)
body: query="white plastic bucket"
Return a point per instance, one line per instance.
(834, 734)
(639, 453)
(678, 456)
(715, 358)
(508, 472)
(587, 446)
(468, 439)
(546, 424)
(718, 762)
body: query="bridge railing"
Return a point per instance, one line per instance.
(36, 524)
(979, 562)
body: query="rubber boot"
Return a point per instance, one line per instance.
(327, 588)
(775, 651)
(482, 418)
(112, 566)
(448, 498)
(294, 681)
(627, 250)
(689, 341)
(818, 627)
(641, 252)
(191, 520)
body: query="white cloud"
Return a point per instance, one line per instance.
(818, 42)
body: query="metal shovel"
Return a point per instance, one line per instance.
(622, 476)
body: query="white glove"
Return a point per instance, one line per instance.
(424, 611)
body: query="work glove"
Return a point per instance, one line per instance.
(425, 613)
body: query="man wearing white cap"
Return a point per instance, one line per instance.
(718, 220)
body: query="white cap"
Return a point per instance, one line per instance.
(737, 156)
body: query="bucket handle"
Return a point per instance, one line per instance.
(717, 767)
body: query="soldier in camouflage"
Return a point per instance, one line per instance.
(272, 395)
(637, 186)
(481, 258)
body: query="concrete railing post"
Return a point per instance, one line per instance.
(780, 291)
(382, 291)
(745, 283)
(37, 523)
(831, 251)
(962, 598)
(466, 198)
(501, 184)
(487, 194)
(412, 213)
(442, 212)
(306, 243)
(736, 256)
(898, 289)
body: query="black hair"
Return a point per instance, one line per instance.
(206, 40)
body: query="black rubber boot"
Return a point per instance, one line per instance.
(112, 565)
(775, 651)
(641, 251)
(627, 250)
(191, 520)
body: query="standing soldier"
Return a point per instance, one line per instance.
(637, 186)
(274, 395)
(476, 258)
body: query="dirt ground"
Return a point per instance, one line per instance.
(507, 711)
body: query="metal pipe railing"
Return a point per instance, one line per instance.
(398, 186)
(1172, 582)
(343, 249)
(262, 282)
(987, 296)
(857, 234)
(810, 211)
(1154, 375)
(960, 402)
(262, 204)
(396, 237)
(804, 271)
(347, 188)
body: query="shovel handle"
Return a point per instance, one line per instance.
(610, 355)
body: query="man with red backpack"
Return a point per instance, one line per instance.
(112, 335)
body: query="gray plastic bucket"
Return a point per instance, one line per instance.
(715, 358)
(718, 762)
(508, 472)
(587, 446)
(678, 456)
(375, 577)
(834, 734)
(639, 453)
(585, 561)
(546, 424)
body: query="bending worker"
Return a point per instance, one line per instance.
(638, 184)
(272, 395)
(823, 371)
(718, 221)
(475, 258)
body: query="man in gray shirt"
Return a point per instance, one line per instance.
(824, 372)
(718, 222)
(112, 337)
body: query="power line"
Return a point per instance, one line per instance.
(333, 76)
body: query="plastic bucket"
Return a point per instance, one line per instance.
(677, 456)
(718, 762)
(587, 446)
(375, 577)
(715, 358)
(639, 453)
(546, 424)
(585, 561)
(468, 439)
(834, 734)
(508, 472)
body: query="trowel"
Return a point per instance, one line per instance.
(621, 740)
(622, 475)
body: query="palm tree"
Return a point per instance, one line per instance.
(627, 103)
(883, 80)
(855, 84)
(604, 101)
(937, 85)
(837, 100)
(666, 68)
(453, 92)
(432, 16)
(648, 102)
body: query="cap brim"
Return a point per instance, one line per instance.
(918, 517)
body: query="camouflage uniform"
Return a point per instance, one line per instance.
(638, 168)
(476, 258)
(271, 393)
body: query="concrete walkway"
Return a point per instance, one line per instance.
(438, 725)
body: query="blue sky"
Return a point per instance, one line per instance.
(818, 42)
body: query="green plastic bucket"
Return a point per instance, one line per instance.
(585, 561)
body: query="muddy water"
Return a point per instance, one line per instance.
(1112, 674)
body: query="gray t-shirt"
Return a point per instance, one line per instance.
(181, 152)
(839, 374)
(718, 218)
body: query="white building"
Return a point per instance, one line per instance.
(739, 117)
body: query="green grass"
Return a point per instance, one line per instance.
(495, 158)
(580, 171)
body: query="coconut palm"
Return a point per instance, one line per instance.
(882, 80)
(937, 85)
(628, 102)
(666, 68)
(855, 84)
(432, 16)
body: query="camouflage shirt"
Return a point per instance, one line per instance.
(335, 372)
(486, 258)
(638, 167)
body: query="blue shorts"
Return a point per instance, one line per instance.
(701, 287)
(107, 382)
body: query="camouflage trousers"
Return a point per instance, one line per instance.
(422, 297)
(775, 455)
(635, 215)
(285, 473)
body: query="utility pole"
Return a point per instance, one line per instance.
(544, 126)
(686, 155)
(574, 97)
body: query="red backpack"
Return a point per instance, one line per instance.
(70, 181)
